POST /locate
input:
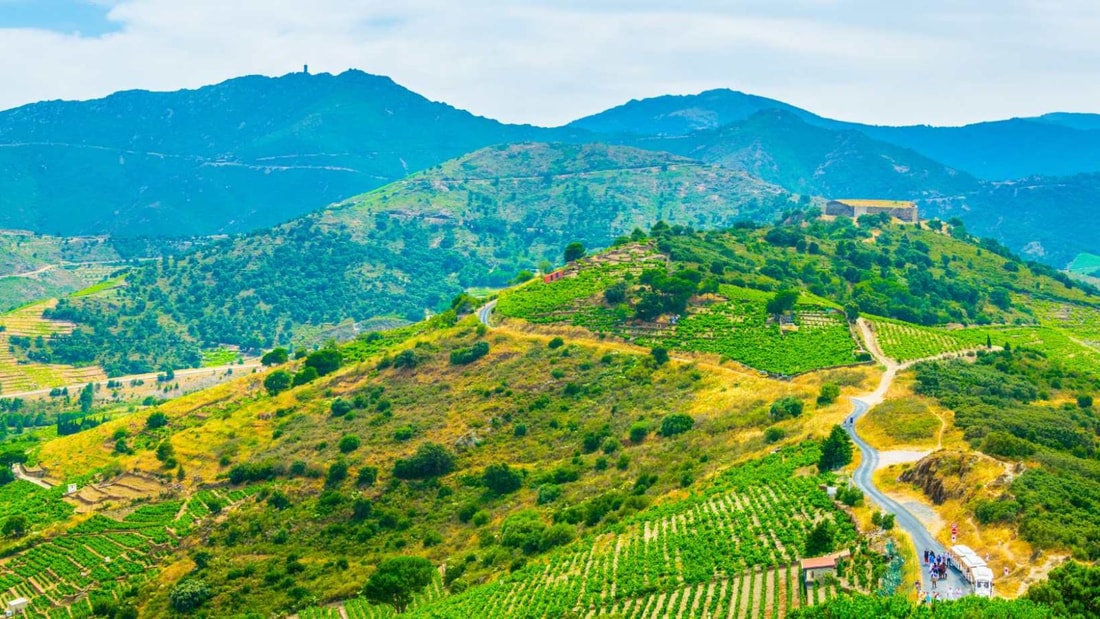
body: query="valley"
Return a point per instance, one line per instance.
(640, 432)
(316, 346)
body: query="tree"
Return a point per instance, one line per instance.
(676, 424)
(430, 460)
(660, 355)
(785, 408)
(523, 530)
(1069, 591)
(501, 479)
(348, 443)
(887, 522)
(397, 579)
(820, 539)
(304, 376)
(836, 451)
(189, 595)
(278, 356)
(574, 251)
(325, 361)
(829, 393)
(87, 398)
(277, 382)
(556, 342)
(6, 476)
(1084, 400)
(783, 301)
(15, 526)
(156, 420)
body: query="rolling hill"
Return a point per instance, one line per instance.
(1056, 144)
(244, 154)
(557, 465)
(401, 250)
(780, 147)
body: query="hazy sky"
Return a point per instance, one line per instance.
(548, 62)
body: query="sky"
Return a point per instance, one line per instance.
(546, 62)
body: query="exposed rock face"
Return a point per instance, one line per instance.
(941, 475)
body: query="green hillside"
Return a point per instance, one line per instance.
(401, 250)
(244, 154)
(568, 472)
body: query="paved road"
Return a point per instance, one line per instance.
(485, 313)
(922, 538)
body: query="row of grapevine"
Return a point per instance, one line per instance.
(755, 521)
(100, 554)
(905, 342)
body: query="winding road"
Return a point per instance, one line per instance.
(485, 312)
(863, 477)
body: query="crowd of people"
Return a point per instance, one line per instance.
(937, 570)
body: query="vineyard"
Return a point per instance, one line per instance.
(360, 608)
(558, 301)
(905, 342)
(101, 554)
(738, 329)
(40, 506)
(17, 376)
(733, 547)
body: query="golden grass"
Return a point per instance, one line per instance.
(999, 543)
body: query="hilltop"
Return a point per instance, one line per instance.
(1055, 144)
(401, 250)
(247, 153)
(255, 152)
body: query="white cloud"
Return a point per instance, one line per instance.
(548, 62)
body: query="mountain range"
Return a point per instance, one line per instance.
(254, 152)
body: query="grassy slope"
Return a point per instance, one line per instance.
(415, 244)
(517, 383)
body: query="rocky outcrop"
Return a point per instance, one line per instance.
(941, 475)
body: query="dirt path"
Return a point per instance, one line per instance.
(21, 473)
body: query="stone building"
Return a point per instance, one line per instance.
(900, 209)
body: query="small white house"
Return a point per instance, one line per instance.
(815, 568)
(16, 607)
(71, 489)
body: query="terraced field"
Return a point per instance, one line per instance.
(102, 555)
(729, 553)
(17, 376)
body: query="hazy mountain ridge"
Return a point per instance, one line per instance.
(244, 154)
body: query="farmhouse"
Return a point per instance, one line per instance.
(903, 210)
(813, 569)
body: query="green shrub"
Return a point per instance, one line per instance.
(348, 443)
(548, 493)
(430, 460)
(785, 408)
(464, 356)
(638, 432)
(367, 475)
(556, 342)
(340, 407)
(677, 423)
(774, 435)
(829, 393)
(501, 479)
